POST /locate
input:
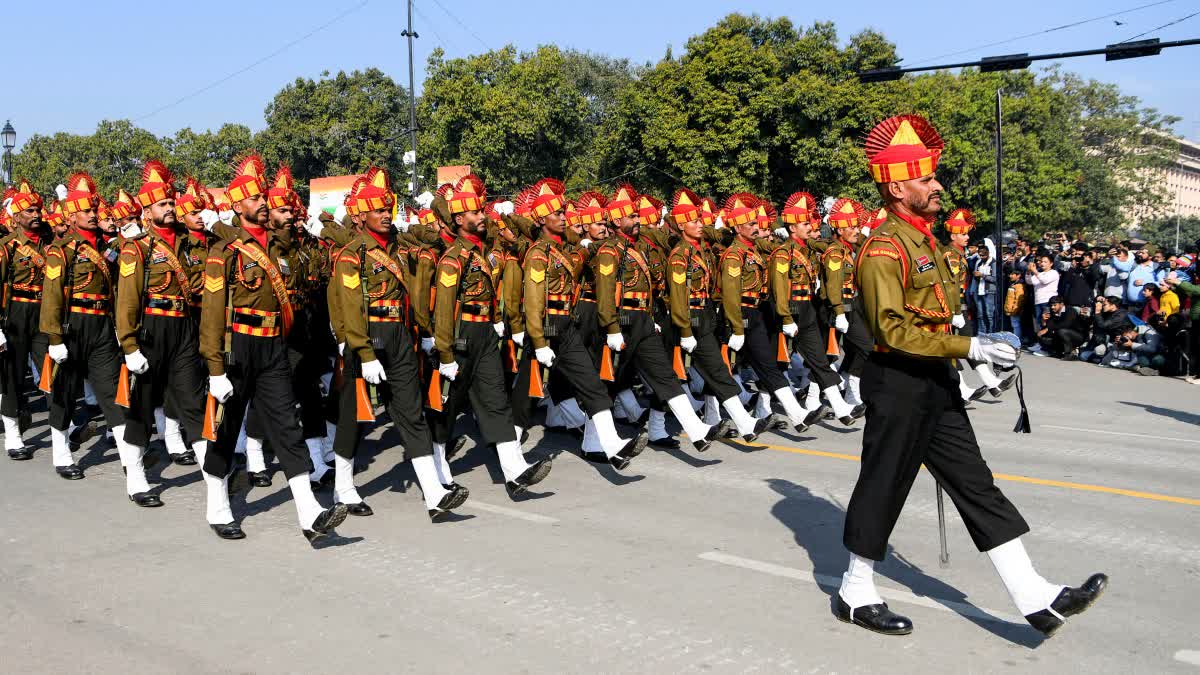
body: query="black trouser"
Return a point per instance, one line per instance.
(92, 355)
(644, 355)
(308, 360)
(573, 368)
(175, 379)
(401, 392)
(480, 382)
(809, 343)
(589, 330)
(262, 377)
(1060, 342)
(915, 416)
(706, 359)
(856, 342)
(759, 350)
(1194, 348)
(25, 341)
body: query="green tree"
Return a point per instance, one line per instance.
(1160, 231)
(337, 125)
(208, 155)
(113, 155)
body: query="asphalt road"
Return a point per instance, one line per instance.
(721, 562)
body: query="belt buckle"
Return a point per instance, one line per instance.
(393, 312)
(268, 321)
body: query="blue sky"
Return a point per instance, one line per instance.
(82, 62)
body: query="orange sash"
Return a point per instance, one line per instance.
(278, 285)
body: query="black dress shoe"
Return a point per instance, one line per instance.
(82, 434)
(20, 454)
(877, 618)
(978, 393)
(702, 444)
(1008, 382)
(634, 447)
(325, 483)
(455, 498)
(359, 509)
(454, 447)
(1070, 601)
(777, 422)
(995, 392)
(187, 458)
(760, 426)
(260, 478)
(72, 472)
(859, 411)
(530, 477)
(815, 416)
(145, 499)
(727, 429)
(666, 443)
(228, 531)
(324, 524)
(151, 458)
(594, 456)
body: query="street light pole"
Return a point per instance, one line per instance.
(412, 99)
(998, 229)
(9, 140)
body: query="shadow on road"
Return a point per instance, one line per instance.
(817, 523)
(1185, 417)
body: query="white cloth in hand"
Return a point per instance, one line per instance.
(545, 356)
(372, 372)
(209, 218)
(790, 329)
(58, 353)
(136, 362)
(688, 343)
(616, 341)
(449, 370)
(992, 351)
(519, 338)
(427, 345)
(841, 323)
(499, 328)
(958, 321)
(736, 342)
(220, 387)
(314, 226)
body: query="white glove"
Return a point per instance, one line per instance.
(958, 321)
(585, 242)
(136, 362)
(992, 351)
(7, 204)
(736, 342)
(545, 356)
(131, 230)
(225, 217)
(688, 343)
(58, 353)
(209, 218)
(841, 323)
(790, 329)
(427, 345)
(499, 328)
(781, 232)
(866, 231)
(220, 387)
(401, 225)
(449, 370)
(314, 226)
(616, 342)
(519, 338)
(372, 372)
(503, 208)
(341, 349)
(61, 191)
(339, 212)
(3, 341)
(326, 383)
(657, 328)
(426, 198)
(719, 222)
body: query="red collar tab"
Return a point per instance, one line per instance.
(554, 238)
(446, 236)
(474, 240)
(747, 242)
(922, 225)
(383, 240)
(259, 234)
(90, 237)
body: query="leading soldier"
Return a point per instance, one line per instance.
(914, 413)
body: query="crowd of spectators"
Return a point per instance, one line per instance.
(1128, 305)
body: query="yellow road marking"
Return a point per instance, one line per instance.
(1008, 477)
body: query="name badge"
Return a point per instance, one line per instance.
(283, 267)
(924, 264)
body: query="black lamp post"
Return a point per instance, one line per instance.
(9, 138)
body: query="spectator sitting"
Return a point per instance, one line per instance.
(1045, 284)
(1108, 321)
(1014, 302)
(1063, 331)
(1135, 349)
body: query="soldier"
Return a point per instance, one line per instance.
(744, 291)
(624, 306)
(795, 280)
(54, 217)
(839, 291)
(915, 415)
(157, 337)
(22, 268)
(466, 334)
(246, 317)
(369, 276)
(550, 291)
(690, 279)
(958, 227)
(77, 319)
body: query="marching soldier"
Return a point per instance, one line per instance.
(840, 292)
(550, 292)
(246, 317)
(22, 268)
(795, 280)
(958, 227)
(744, 290)
(690, 279)
(467, 331)
(157, 337)
(53, 215)
(370, 276)
(77, 318)
(915, 415)
(624, 306)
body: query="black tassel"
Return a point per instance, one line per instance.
(1022, 426)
